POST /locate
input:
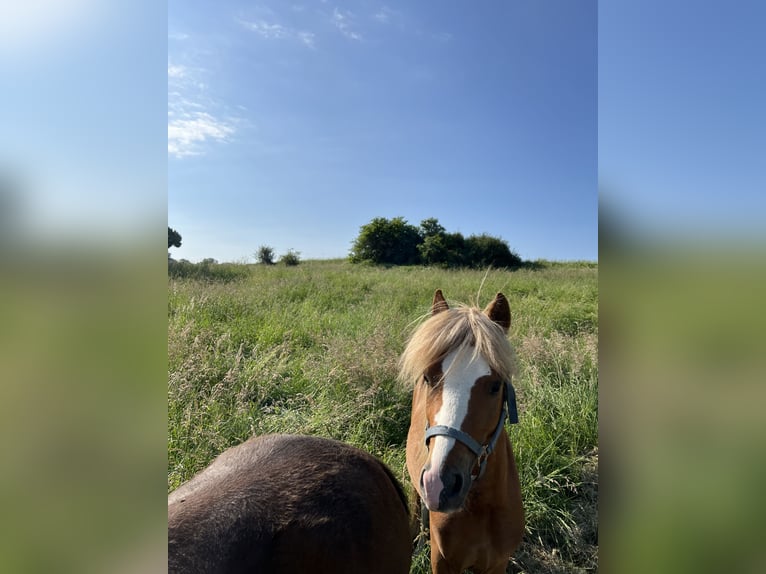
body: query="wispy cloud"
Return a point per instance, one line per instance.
(193, 118)
(344, 22)
(273, 31)
(187, 135)
(385, 14)
(308, 38)
(176, 72)
(263, 28)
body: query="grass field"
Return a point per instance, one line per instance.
(313, 349)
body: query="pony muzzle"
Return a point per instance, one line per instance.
(444, 489)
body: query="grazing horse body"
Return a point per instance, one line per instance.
(287, 503)
(459, 457)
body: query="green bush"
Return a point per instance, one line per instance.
(387, 242)
(265, 255)
(485, 251)
(291, 258)
(395, 242)
(443, 250)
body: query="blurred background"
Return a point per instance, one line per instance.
(82, 286)
(682, 143)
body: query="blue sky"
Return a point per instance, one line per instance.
(292, 124)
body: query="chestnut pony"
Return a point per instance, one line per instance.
(459, 457)
(286, 503)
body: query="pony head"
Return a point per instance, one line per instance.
(459, 359)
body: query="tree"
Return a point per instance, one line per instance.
(265, 255)
(431, 226)
(439, 247)
(388, 242)
(395, 242)
(485, 250)
(291, 258)
(174, 238)
(443, 250)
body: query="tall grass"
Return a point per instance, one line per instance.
(313, 349)
(206, 270)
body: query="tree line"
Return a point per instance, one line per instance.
(396, 242)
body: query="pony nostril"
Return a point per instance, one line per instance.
(453, 484)
(458, 484)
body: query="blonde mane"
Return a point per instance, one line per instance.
(461, 329)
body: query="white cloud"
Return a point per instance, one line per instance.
(176, 72)
(384, 14)
(344, 22)
(307, 38)
(187, 134)
(265, 29)
(194, 116)
(272, 31)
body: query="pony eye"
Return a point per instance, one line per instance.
(495, 388)
(426, 378)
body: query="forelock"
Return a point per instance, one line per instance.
(461, 329)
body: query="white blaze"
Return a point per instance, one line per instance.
(460, 376)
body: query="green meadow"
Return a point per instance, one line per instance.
(313, 349)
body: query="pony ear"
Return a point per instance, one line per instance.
(500, 312)
(439, 303)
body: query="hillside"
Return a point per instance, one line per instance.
(313, 349)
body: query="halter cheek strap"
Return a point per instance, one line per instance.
(481, 452)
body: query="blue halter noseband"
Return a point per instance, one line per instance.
(482, 451)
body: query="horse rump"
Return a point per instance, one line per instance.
(290, 503)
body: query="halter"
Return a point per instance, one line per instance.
(481, 452)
